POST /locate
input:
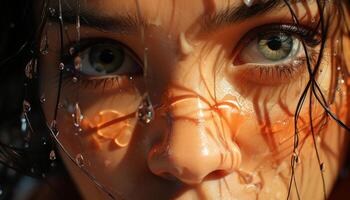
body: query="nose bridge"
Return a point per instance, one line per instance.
(196, 142)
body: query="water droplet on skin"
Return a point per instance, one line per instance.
(26, 106)
(245, 178)
(52, 155)
(79, 160)
(186, 47)
(145, 111)
(248, 2)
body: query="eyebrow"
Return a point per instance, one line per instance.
(130, 23)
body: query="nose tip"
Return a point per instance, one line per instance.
(193, 148)
(192, 167)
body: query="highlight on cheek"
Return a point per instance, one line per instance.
(109, 126)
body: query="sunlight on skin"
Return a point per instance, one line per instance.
(222, 129)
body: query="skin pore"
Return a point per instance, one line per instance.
(221, 96)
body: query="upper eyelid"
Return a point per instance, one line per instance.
(302, 32)
(86, 43)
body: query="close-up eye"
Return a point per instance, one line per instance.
(101, 59)
(274, 55)
(269, 48)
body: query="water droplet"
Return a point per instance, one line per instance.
(1, 192)
(77, 115)
(75, 79)
(145, 111)
(24, 124)
(52, 155)
(296, 158)
(42, 99)
(72, 51)
(77, 63)
(248, 2)
(322, 167)
(31, 68)
(26, 106)
(52, 11)
(44, 46)
(54, 129)
(245, 177)
(79, 159)
(61, 66)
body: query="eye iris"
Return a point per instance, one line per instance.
(274, 43)
(106, 56)
(106, 59)
(276, 47)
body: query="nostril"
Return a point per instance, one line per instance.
(217, 174)
(168, 176)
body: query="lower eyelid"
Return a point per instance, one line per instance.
(265, 75)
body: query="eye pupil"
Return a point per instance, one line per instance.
(274, 43)
(106, 56)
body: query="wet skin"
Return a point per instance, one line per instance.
(223, 125)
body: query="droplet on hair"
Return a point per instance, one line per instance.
(79, 160)
(61, 66)
(75, 79)
(72, 51)
(52, 11)
(54, 129)
(42, 99)
(26, 106)
(77, 63)
(77, 115)
(44, 46)
(31, 68)
(52, 155)
(145, 111)
(248, 2)
(24, 125)
(322, 167)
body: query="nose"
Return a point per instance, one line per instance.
(196, 144)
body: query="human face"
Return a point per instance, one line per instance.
(192, 100)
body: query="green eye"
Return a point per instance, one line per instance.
(276, 46)
(105, 58)
(101, 58)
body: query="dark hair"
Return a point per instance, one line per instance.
(28, 152)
